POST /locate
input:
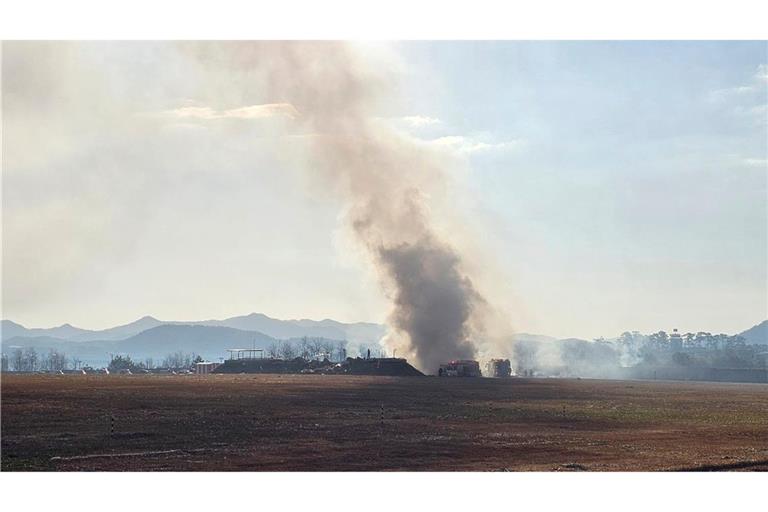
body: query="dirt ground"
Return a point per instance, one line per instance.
(334, 423)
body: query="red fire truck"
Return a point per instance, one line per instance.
(460, 368)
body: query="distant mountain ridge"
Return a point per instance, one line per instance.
(211, 342)
(360, 332)
(757, 334)
(11, 329)
(121, 331)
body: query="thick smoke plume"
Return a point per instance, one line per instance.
(384, 180)
(433, 300)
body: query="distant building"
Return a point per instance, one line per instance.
(245, 353)
(205, 367)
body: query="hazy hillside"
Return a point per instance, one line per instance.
(522, 336)
(66, 331)
(757, 334)
(12, 329)
(361, 332)
(120, 332)
(36, 342)
(210, 342)
(89, 352)
(70, 333)
(274, 327)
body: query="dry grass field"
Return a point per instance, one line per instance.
(334, 423)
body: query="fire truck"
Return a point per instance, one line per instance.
(460, 368)
(498, 368)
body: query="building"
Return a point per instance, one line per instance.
(205, 367)
(460, 368)
(245, 353)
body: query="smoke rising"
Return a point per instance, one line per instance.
(385, 180)
(433, 300)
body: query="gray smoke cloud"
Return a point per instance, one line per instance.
(433, 301)
(385, 180)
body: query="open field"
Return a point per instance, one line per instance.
(315, 422)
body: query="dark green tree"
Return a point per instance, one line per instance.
(119, 362)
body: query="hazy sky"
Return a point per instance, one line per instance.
(611, 186)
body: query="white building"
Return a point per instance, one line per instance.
(205, 367)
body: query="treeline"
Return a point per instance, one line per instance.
(702, 349)
(174, 361)
(28, 360)
(688, 341)
(308, 348)
(602, 357)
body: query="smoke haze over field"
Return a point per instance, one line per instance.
(448, 189)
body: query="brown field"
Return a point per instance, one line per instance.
(329, 423)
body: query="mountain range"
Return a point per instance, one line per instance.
(360, 332)
(150, 337)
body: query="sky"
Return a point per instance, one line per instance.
(605, 186)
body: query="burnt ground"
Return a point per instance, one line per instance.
(333, 423)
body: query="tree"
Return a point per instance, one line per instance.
(706, 340)
(119, 362)
(721, 341)
(178, 360)
(31, 361)
(626, 338)
(287, 351)
(17, 360)
(659, 340)
(304, 348)
(76, 362)
(173, 360)
(4, 363)
(273, 350)
(187, 360)
(316, 345)
(736, 342)
(341, 350)
(53, 361)
(328, 347)
(45, 362)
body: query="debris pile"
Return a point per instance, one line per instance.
(390, 366)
